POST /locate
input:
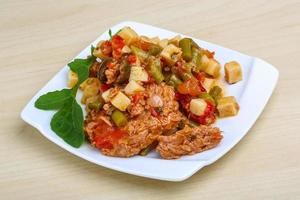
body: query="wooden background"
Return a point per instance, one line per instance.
(37, 38)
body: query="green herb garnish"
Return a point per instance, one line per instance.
(67, 122)
(111, 35)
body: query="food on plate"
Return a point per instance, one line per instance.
(227, 106)
(143, 94)
(188, 141)
(233, 72)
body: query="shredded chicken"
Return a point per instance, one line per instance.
(188, 141)
(145, 128)
(141, 132)
(112, 73)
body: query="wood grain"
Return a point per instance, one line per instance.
(37, 38)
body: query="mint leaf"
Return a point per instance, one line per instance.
(81, 67)
(67, 123)
(53, 100)
(110, 34)
(77, 116)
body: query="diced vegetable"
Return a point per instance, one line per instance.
(175, 40)
(174, 80)
(207, 97)
(90, 82)
(186, 76)
(119, 118)
(155, 101)
(208, 83)
(133, 87)
(216, 92)
(146, 40)
(213, 68)
(233, 72)
(220, 85)
(89, 91)
(186, 46)
(154, 50)
(209, 54)
(163, 43)
(73, 78)
(151, 146)
(196, 59)
(204, 62)
(103, 49)
(154, 68)
(139, 52)
(227, 106)
(105, 95)
(150, 45)
(95, 105)
(138, 74)
(126, 49)
(190, 86)
(120, 101)
(171, 53)
(155, 40)
(193, 124)
(129, 35)
(198, 106)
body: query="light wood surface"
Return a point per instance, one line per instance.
(37, 38)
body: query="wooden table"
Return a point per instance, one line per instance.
(37, 38)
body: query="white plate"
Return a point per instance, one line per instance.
(252, 94)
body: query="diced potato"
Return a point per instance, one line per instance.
(126, 49)
(121, 101)
(208, 83)
(227, 106)
(204, 62)
(105, 95)
(155, 40)
(73, 79)
(138, 74)
(221, 85)
(97, 51)
(171, 53)
(91, 81)
(146, 39)
(133, 87)
(198, 106)
(233, 72)
(213, 68)
(175, 40)
(163, 43)
(129, 35)
(91, 90)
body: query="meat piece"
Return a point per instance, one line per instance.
(170, 115)
(141, 132)
(112, 73)
(145, 128)
(135, 109)
(188, 141)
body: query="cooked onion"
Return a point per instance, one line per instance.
(155, 101)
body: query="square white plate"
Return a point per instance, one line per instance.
(259, 80)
